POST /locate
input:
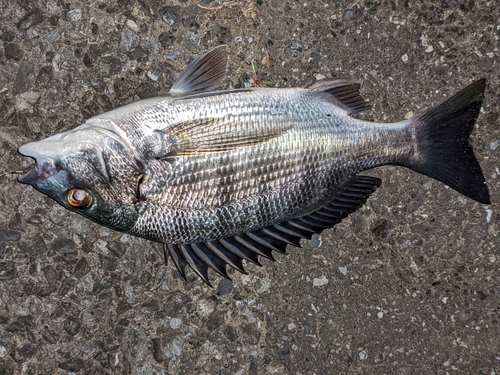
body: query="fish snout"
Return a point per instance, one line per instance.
(43, 168)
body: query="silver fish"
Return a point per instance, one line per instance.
(222, 176)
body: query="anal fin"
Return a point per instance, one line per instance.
(262, 242)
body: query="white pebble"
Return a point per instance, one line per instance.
(363, 355)
(320, 281)
(404, 57)
(380, 314)
(343, 270)
(488, 215)
(132, 25)
(75, 15)
(175, 323)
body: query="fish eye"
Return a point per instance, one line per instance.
(79, 198)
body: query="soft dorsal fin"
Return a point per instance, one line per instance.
(262, 242)
(204, 73)
(344, 93)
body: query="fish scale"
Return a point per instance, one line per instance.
(221, 176)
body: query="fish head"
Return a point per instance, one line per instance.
(91, 170)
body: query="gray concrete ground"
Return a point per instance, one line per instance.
(408, 285)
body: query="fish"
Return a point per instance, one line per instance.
(226, 176)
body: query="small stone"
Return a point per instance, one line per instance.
(13, 51)
(64, 245)
(320, 281)
(110, 65)
(319, 76)
(75, 15)
(238, 39)
(404, 57)
(348, 14)
(170, 15)
(429, 49)
(192, 36)
(343, 270)
(414, 268)
(132, 25)
(31, 19)
(397, 20)
(315, 240)
(175, 323)
(146, 90)
(3, 351)
(494, 144)
(128, 40)
(294, 50)
(215, 320)
(166, 39)
(225, 287)
(138, 54)
(26, 100)
(363, 355)
(380, 314)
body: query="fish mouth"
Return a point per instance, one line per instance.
(41, 169)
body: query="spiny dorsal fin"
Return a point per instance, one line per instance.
(204, 73)
(262, 242)
(216, 134)
(344, 93)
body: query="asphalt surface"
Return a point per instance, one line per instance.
(409, 284)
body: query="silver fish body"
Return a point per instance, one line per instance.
(229, 175)
(208, 195)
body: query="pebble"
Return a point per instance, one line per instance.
(363, 355)
(132, 25)
(320, 281)
(494, 144)
(75, 15)
(154, 72)
(343, 270)
(348, 14)
(175, 323)
(315, 240)
(294, 49)
(26, 100)
(404, 57)
(225, 287)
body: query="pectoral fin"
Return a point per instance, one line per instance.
(217, 134)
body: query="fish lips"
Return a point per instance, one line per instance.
(43, 168)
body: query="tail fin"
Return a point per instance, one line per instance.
(443, 149)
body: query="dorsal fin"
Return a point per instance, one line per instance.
(262, 242)
(204, 73)
(344, 93)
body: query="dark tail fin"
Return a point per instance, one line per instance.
(444, 152)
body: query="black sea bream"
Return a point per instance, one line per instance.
(222, 176)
